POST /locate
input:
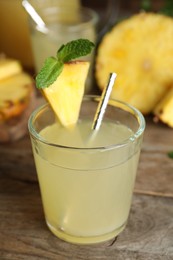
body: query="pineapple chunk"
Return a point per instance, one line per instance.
(65, 94)
(164, 109)
(9, 67)
(15, 94)
(140, 50)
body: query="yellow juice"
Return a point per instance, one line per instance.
(86, 181)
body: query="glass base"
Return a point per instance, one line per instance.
(85, 240)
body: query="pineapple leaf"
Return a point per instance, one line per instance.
(146, 5)
(167, 8)
(170, 154)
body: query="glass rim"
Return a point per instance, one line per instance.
(94, 17)
(125, 142)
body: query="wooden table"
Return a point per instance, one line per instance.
(148, 235)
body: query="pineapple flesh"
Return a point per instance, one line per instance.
(15, 95)
(17, 99)
(140, 50)
(9, 67)
(66, 93)
(164, 109)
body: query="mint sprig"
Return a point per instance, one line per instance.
(53, 66)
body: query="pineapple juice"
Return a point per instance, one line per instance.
(86, 181)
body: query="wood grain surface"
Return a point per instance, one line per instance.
(155, 171)
(149, 232)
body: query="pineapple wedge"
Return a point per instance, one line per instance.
(140, 50)
(65, 94)
(9, 67)
(164, 109)
(15, 95)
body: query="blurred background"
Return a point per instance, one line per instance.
(15, 35)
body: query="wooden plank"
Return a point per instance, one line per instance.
(155, 172)
(24, 234)
(16, 160)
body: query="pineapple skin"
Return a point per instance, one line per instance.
(66, 93)
(140, 50)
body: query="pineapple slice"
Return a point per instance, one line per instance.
(140, 50)
(65, 94)
(9, 67)
(164, 109)
(15, 95)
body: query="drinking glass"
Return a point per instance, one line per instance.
(87, 189)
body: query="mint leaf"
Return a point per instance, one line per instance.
(49, 73)
(74, 49)
(53, 66)
(170, 154)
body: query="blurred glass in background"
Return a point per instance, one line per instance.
(14, 31)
